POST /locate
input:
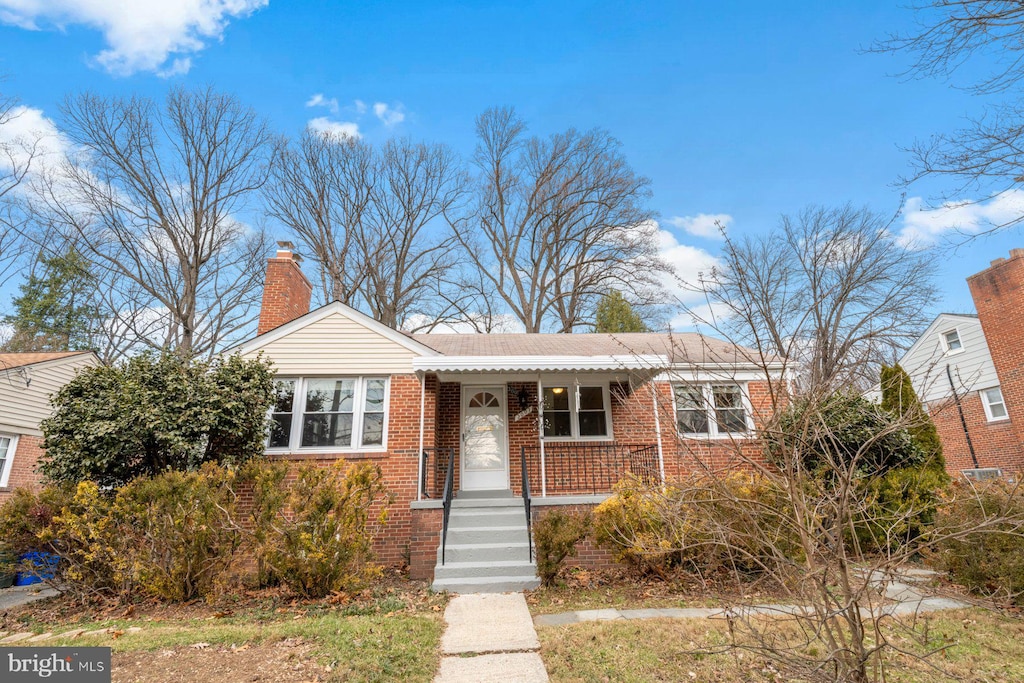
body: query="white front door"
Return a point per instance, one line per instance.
(484, 439)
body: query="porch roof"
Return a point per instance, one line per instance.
(652, 363)
(593, 352)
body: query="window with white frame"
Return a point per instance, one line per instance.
(995, 407)
(337, 413)
(8, 444)
(576, 411)
(711, 409)
(951, 341)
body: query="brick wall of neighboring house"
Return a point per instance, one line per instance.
(995, 443)
(23, 469)
(286, 292)
(998, 294)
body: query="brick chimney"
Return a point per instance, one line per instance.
(998, 294)
(286, 291)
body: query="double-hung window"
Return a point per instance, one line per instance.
(8, 444)
(576, 411)
(951, 341)
(995, 406)
(710, 409)
(343, 413)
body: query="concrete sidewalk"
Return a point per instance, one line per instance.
(489, 638)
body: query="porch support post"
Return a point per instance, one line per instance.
(657, 429)
(540, 437)
(419, 454)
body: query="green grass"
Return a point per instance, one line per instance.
(977, 645)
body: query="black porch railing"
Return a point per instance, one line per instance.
(433, 468)
(578, 468)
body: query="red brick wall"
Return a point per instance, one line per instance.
(23, 471)
(995, 443)
(286, 293)
(588, 555)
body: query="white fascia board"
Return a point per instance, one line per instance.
(736, 373)
(538, 363)
(256, 343)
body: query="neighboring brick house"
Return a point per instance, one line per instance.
(968, 370)
(581, 410)
(27, 380)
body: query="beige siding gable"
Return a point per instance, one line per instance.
(23, 407)
(336, 344)
(972, 368)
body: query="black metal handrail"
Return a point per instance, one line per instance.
(433, 464)
(573, 467)
(527, 500)
(446, 500)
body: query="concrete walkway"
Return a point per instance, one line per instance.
(490, 638)
(907, 599)
(21, 595)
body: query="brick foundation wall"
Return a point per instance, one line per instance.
(995, 443)
(425, 536)
(588, 555)
(23, 470)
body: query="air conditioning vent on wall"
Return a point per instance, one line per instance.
(983, 473)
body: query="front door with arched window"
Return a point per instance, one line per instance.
(484, 439)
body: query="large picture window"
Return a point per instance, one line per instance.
(337, 413)
(710, 409)
(576, 412)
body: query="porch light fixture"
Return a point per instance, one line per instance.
(557, 390)
(521, 397)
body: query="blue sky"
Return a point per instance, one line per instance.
(745, 110)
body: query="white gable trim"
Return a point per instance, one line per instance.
(941, 322)
(335, 307)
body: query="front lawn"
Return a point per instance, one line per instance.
(975, 645)
(384, 635)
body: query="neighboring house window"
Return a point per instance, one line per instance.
(576, 412)
(345, 413)
(951, 340)
(8, 444)
(995, 407)
(710, 409)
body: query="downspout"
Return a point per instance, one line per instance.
(963, 422)
(419, 454)
(540, 437)
(657, 430)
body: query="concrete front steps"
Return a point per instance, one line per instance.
(488, 547)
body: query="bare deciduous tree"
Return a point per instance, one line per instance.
(320, 190)
(372, 220)
(831, 290)
(17, 153)
(153, 198)
(556, 224)
(986, 153)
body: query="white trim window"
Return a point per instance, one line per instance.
(712, 409)
(329, 414)
(8, 445)
(951, 341)
(995, 406)
(573, 411)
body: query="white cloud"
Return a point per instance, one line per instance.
(141, 35)
(326, 126)
(923, 226)
(360, 107)
(30, 137)
(688, 263)
(702, 225)
(389, 116)
(318, 100)
(472, 324)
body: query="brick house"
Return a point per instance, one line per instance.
(565, 415)
(28, 380)
(968, 370)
